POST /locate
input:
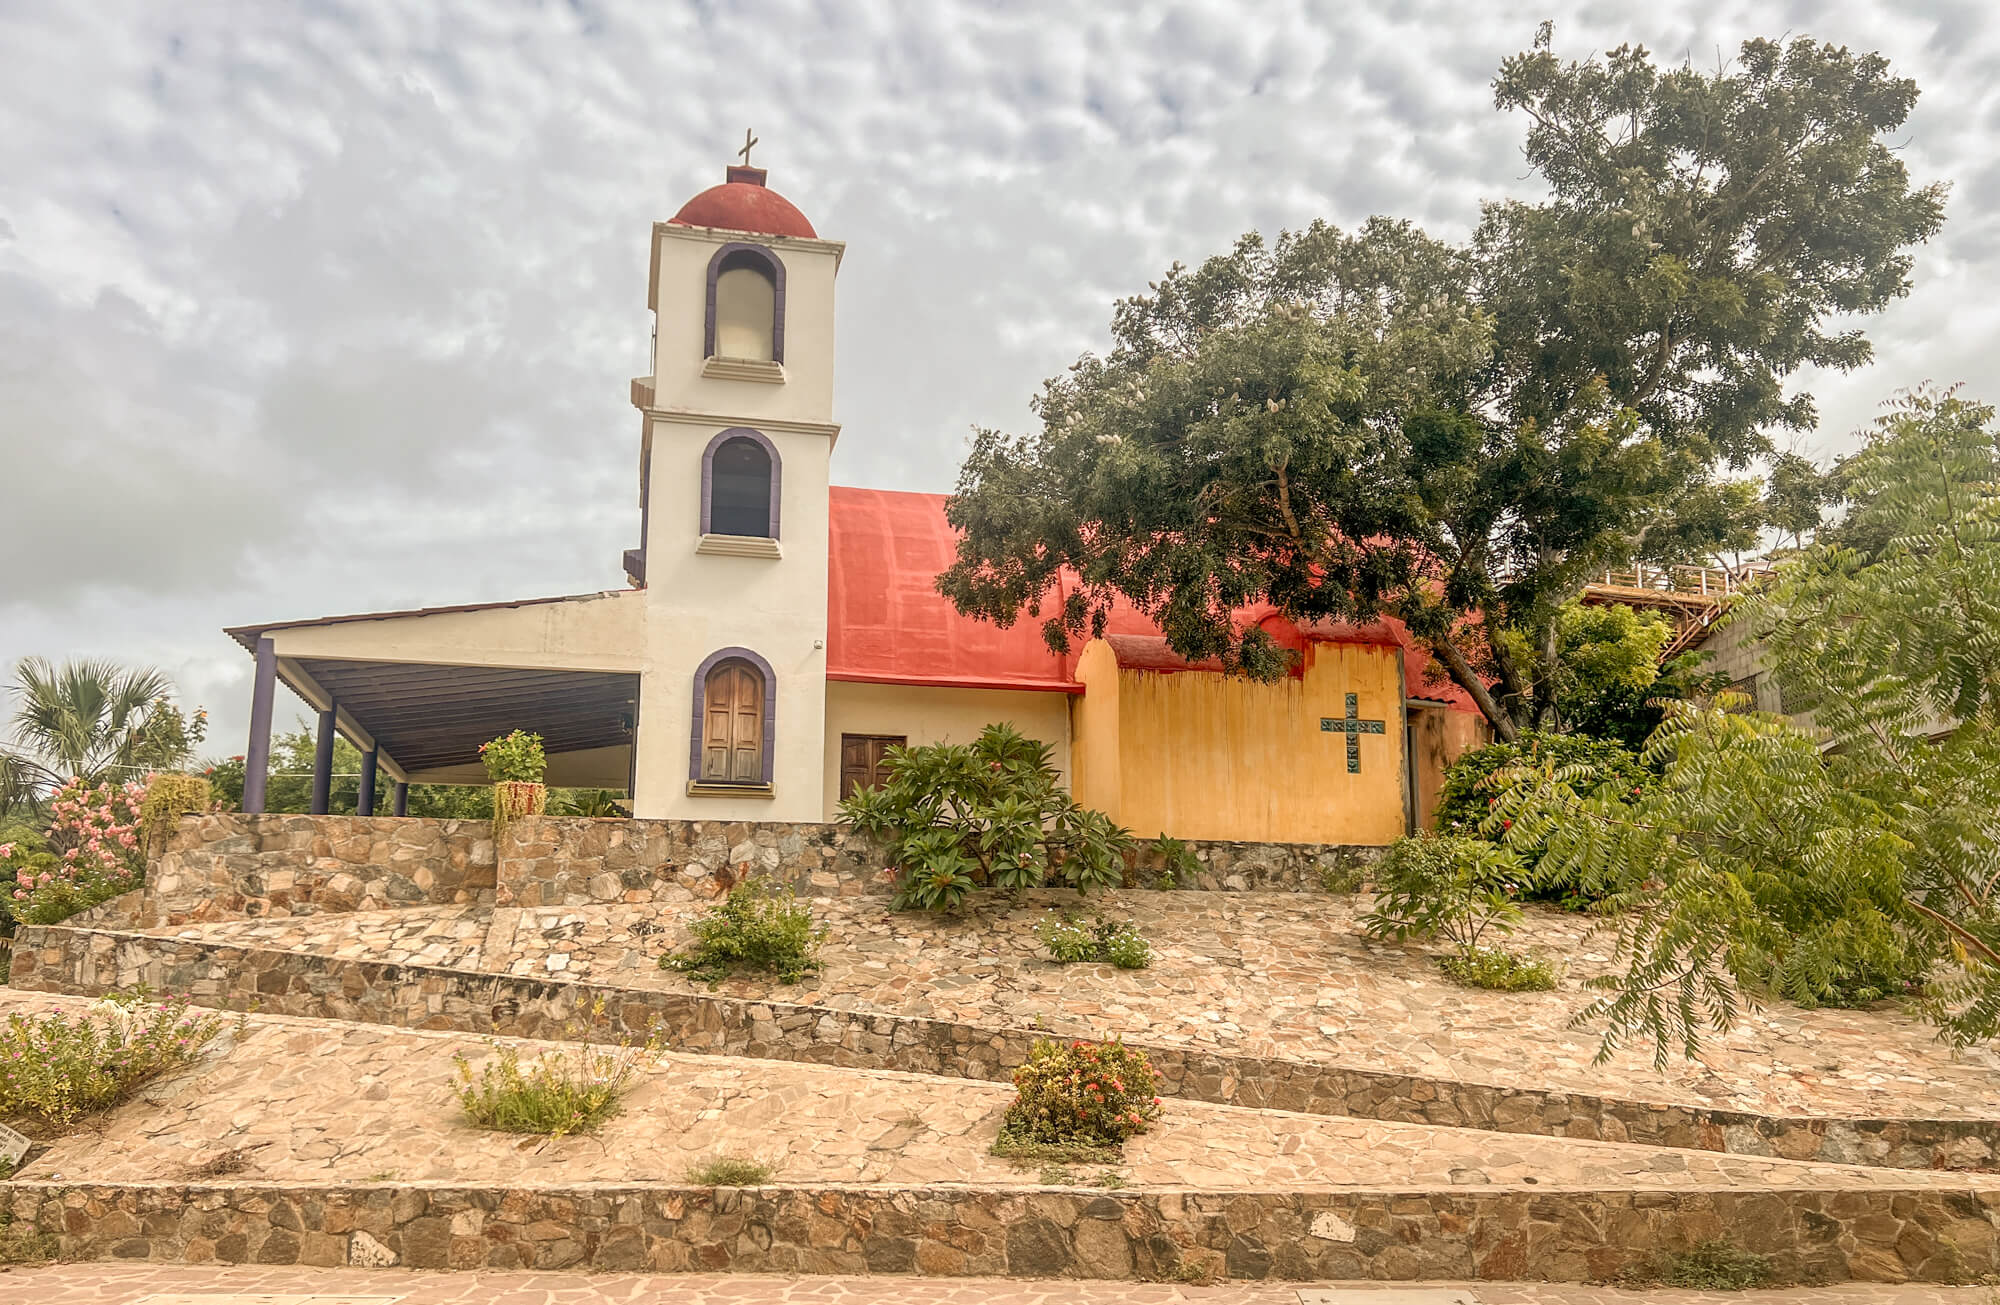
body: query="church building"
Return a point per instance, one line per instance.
(779, 633)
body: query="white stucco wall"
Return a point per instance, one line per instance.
(929, 715)
(680, 292)
(698, 603)
(592, 632)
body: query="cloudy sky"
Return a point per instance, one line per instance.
(325, 306)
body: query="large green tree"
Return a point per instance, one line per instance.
(1836, 863)
(1349, 425)
(91, 720)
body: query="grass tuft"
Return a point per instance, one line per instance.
(730, 1171)
(1709, 1266)
(1500, 971)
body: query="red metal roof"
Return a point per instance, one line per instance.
(888, 624)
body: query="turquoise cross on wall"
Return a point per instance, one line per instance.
(1354, 729)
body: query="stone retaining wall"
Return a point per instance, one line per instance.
(568, 861)
(1569, 1236)
(228, 976)
(232, 866)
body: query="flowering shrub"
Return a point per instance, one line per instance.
(94, 852)
(1069, 940)
(58, 1067)
(515, 758)
(1079, 1100)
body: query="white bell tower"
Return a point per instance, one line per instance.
(738, 435)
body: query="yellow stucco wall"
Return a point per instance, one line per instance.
(937, 715)
(1203, 755)
(1096, 776)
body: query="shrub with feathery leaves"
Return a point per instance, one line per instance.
(987, 814)
(1840, 861)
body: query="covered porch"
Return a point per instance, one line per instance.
(417, 692)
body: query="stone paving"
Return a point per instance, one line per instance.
(311, 1101)
(1266, 974)
(129, 1284)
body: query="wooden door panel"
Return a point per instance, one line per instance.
(733, 728)
(864, 760)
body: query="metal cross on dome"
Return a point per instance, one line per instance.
(748, 141)
(1354, 729)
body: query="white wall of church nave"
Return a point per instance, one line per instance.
(697, 603)
(922, 714)
(590, 632)
(679, 352)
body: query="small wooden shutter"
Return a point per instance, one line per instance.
(864, 760)
(733, 730)
(748, 735)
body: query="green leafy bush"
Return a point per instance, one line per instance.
(1475, 782)
(759, 926)
(1079, 1101)
(1069, 940)
(1469, 801)
(58, 1067)
(1501, 971)
(1445, 886)
(515, 758)
(1178, 864)
(992, 813)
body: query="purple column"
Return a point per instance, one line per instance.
(364, 798)
(257, 756)
(401, 805)
(322, 789)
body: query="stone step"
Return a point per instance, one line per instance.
(348, 1149)
(313, 984)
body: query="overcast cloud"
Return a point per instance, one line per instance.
(321, 307)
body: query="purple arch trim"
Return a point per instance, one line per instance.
(708, 470)
(763, 668)
(775, 268)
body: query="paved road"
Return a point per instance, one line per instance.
(132, 1284)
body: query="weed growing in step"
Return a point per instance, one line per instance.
(1195, 1268)
(1710, 1266)
(758, 927)
(1056, 1174)
(571, 1089)
(1078, 1102)
(1342, 878)
(1110, 1179)
(28, 1250)
(1069, 940)
(1489, 967)
(57, 1067)
(1179, 866)
(730, 1171)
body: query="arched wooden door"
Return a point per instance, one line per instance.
(733, 738)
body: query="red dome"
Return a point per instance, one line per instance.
(745, 203)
